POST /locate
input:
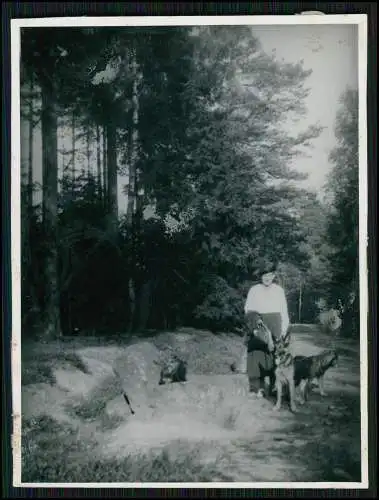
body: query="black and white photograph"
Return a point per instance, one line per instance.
(189, 212)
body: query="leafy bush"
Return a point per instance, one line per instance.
(330, 320)
(222, 308)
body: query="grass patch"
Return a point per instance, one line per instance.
(230, 420)
(95, 407)
(73, 359)
(46, 446)
(52, 452)
(43, 424)
(37, 373)
(139, 468)
(38, 367)
(110, 422)
(89, 410)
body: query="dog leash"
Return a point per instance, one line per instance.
(125, 396)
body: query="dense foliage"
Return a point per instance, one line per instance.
(198, 121)
(343, 220)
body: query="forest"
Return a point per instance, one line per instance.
(196, 120)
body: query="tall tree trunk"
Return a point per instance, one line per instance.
(88, 151)
(35, 310)
(98, 158)
(52, 326)
(73, 150)
(139, 287)
(105, 169)
(144, 306)
(132, 303)
(28, 301)
(112, 176)
(133, 147)
(31, 151)
(300, 299)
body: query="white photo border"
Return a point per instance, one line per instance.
(83, 21)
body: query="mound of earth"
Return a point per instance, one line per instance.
(207, 408)
(43, 399)
(90, 381)
(204, 352)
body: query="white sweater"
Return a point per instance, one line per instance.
(268, 299)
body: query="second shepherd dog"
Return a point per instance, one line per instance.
(308, 368)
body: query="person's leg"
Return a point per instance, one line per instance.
(267, 379)
(273, 321)
(254, 384)
(247, 358)
(253, 371)
(263, 371)
(242, 366)
(262, 391)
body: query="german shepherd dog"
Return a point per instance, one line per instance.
(308, 368)
(284, 372)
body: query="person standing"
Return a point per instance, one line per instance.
(265, 301)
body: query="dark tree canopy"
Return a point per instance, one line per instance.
(198, 119)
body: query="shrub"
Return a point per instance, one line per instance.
(330, 320)
(222, 307)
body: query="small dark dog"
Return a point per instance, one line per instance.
(173, 370)
(284, 372)
(308, 368)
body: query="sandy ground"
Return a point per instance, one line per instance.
(212, 414)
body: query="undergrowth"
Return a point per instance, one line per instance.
(95, 407)
(52, 452)
(39, 367)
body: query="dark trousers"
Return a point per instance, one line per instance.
(258, 367)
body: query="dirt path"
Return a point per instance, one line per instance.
(321, 442)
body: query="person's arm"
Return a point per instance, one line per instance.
(250, 300)
(284, 313)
